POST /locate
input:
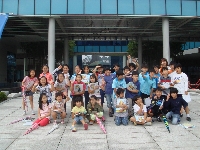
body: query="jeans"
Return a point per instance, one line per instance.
(109, 100)
(102, 93)
(86, 94)
(175, 117)
(121, 120)
(130, 101)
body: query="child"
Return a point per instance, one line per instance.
(132, 67)
(118, 82)
(144, 70)
(157, 74)
(46, 73)
(174, 104)
(172, 65)
(44, 87)
(65, 71)
(78, 113)
(86, 94)
(27, 84)
(147, 86)
(156, 104)
(127, 72)
(43, 111)
(140, 112)
(61, 85)
(133, 88)
(164, 82)
(116, 68)
(108, 78)
(93, 90)
(121, 105)
(94, 109)
(58, 107)
(77, 70)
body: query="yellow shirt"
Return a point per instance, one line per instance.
(78, 109)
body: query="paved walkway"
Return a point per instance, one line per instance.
(122, 137)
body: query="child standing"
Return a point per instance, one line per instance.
(157, 74)
(174, 104)
(44, 87)
(108, 78)
(43, 111)
(77, 70)
(61, 85)
(27, 85)
(121, 105)
(46, 73)
(140, 112)
(78, 113)
(133, 88)
(94, 86)
(58, 107)
(94, 109)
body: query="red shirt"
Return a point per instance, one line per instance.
(78, 87)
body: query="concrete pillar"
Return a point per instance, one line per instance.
(74, 62)
(51, 45)
(24, 66)
(139, 52)
(124, 61)
(66, 51)
(165, 31)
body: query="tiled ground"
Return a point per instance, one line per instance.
(129, 137)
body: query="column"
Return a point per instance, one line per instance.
(74, 62)
(140, 52)
(66, 51)
(124, 61)
(24, 66)
(51, 45)
(165, 31)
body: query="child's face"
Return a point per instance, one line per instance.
(32, 73)
(178, 70)
(131, 68)
(86, 70)
(61, 77)
(78, 78)
(121, 95)
(139, 100)
(125, 71)
(45, 69)
(65, 69)
(92, 79)
(158, 93)
(135, 77)
(78, 104)
(44, 99)
(165, 72)
(43, 81)
(100, 70)
(164, 63)
(107, 72)
(156, 69)
(116, 68)
(174, 95)
(151, 74)
(172, 67)
(77, 69)
(92, 101)
(120, 77)
(144, 70)
(59, 98)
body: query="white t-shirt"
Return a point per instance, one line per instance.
(172, 74)
(45, 89)
(182, 84)
(61, 85)
(136, 108)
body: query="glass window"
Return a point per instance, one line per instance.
(88, 48)
(110, 48)
(26, 7)
(124, 48)
(42, 7)
(95, 48)
(10, 6)
(198, 8)
(92, 6)
(75, 6)
(141, 7)
(189, 8)
(117, 48)
(173, 7)
(108, 6)
(58, 7)
(80, 48)
(125, 8)
(157, 7)
(102, 48)
(75, 49)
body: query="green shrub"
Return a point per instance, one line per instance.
(2, 96)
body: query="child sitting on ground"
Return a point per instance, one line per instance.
(58, 107)
(140, 112)
(94, 109)
(156, 104)
(78, 114)
(174, 103)
(121, 106)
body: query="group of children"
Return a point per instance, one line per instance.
(126, 92)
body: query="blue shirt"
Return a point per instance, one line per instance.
(136, 85)
(147, 84)
(109, 80)
(118, 84)
(158, 75)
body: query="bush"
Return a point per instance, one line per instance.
(2, 96)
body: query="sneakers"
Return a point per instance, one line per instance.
(91, 122)
(85, 126)
(73, 129)
(148, 123)
(32, 113)
(62, 121)
(135, 124)
(159, 120)
(110, 114)
(188, 119)
(24, 113)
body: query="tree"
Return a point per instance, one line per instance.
(132, 48)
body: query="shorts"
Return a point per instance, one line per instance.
(78, 118)
(28, 93)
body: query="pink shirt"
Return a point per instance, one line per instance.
(29, 82)
(77, 88)
(45, 110)
(48, 76)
